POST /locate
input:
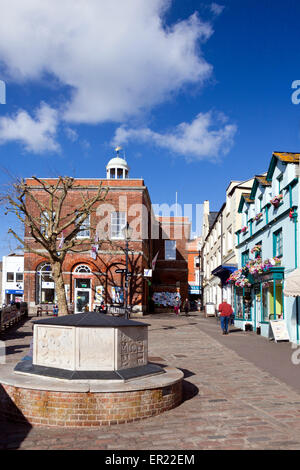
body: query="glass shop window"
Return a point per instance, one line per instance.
(266, 290)
(239, 303)
(247, 303)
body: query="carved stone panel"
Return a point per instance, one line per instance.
(132, 347)
(95, 349)
(54, 346)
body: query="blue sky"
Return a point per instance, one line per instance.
(198, 93)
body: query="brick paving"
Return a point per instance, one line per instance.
(229, 402)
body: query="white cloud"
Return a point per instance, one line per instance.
(118, 57)
(36, 134)
(207, 137)
(216, 9)
(71, 134)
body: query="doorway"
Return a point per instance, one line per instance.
(82, 295)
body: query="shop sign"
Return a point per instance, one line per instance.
(47, 285)
(194, 289)
(14, 291)
(280, 331)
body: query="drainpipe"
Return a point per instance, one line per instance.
(295, 219)
(221, 254)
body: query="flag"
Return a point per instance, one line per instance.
(154, 261)
(61, 243)
(94, 249)
(94, 252)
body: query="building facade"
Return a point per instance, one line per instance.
(195, 273)
(267, 245)
(92, 277)
(219, 252)
(12, 289)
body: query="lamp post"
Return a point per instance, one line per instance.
(199, 255)
(127, 232)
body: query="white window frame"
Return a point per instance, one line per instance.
(85, 228)
(119, 224)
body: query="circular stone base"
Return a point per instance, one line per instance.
(54, 402)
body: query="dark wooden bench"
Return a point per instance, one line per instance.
(48, 309)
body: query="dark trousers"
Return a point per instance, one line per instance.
(224, 323)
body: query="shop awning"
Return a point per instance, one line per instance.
(292, 284)
(224, 271)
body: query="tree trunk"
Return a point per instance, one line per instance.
(60, 288)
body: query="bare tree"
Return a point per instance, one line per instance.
(53, 223)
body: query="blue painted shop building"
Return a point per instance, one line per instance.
(267, 246)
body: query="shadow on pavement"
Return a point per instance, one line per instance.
(189, 390)
(236, 330)
(14, 427)
(16, 348)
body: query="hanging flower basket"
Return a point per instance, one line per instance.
(244, 229)
(276, 200)
(256, 249)
(258, 216)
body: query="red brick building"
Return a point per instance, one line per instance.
(195, 269)
(91, 279)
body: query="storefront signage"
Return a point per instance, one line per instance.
(47, 285)
(194, 289)
(14, 291)
(280, 331)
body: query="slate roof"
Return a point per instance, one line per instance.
(89, 319)
(211, 218)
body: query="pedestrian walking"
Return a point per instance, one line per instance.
(226, 311)
(187, 307)
(55, 310)
(177, 306)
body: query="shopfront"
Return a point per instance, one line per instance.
(260, 301)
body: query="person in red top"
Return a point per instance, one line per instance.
(226, 311)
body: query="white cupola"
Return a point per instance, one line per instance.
(117, 167)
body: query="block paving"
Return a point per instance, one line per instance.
(229, 403)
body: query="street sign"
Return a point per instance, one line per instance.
(123, 271)
(147, 272)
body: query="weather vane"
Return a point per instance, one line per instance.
(117, 149)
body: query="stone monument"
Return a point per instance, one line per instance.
(88, 369)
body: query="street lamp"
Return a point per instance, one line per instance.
(200, 299)
(127, 233)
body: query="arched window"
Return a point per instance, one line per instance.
(82, 269)
(45, 287)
